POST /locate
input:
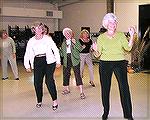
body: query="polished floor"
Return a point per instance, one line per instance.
(18, 98)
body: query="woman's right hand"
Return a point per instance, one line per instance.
(28, 70)
(94, 46)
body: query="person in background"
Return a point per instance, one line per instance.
(111, 46)
(43, 56)
(70, 51)
(85, 54)
(8, 54)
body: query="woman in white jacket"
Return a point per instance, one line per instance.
(43, 56)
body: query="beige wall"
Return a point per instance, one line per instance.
(91, 13)
(23, 21)
(127, 13)
(87, 14)
(84, 14)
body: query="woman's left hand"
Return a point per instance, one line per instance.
(131, 30)
(58, 65)
(94, 46)
(14, 55)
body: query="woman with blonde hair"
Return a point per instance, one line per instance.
(85, 54)
(111, 46)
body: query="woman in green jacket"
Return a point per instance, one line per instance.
(70, 51)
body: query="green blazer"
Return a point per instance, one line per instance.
(75, 53)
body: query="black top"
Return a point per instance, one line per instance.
(87, 44)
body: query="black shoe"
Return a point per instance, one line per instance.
(55, 107)
(92, 83)
(104, 117)
(129, 118)
(5, 78)
(16, 78)
(38, 105)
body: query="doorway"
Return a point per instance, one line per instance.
(144, 34)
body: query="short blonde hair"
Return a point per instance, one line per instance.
(84, 31)
(107, 18)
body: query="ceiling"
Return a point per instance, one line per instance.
(61, 3)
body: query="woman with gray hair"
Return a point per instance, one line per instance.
(111, 46)
(70, 51)
(43, 56)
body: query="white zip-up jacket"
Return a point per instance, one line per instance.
(43, 46)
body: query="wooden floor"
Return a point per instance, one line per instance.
(18, 98)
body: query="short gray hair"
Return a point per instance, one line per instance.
(66, 30)
(107, 17)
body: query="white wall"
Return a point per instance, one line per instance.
(84, 14)
(22, 21)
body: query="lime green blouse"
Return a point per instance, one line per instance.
(112, 49)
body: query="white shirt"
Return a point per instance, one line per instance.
(68, 42)
(43, 46)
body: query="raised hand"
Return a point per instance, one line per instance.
(94, 46)
(131, 30)
(73, 41)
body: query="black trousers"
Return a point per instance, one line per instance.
(41, 69)
(67, 72)
(106, 68)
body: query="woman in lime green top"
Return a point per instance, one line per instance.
(111, 46)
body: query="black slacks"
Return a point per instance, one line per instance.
(67, 72)
(41, 69)
(106, 69)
